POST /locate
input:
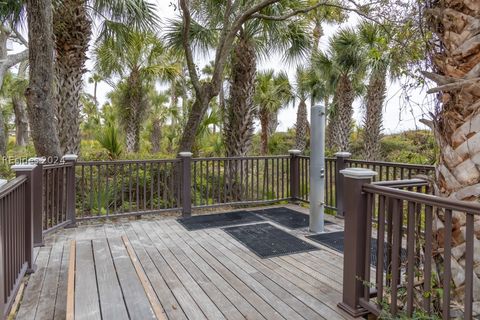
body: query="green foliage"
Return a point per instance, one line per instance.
(109, 139)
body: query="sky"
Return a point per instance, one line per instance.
(400, 113)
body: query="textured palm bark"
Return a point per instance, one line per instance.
(240, 112)
(156, 135)
(133, 111)
(20, 110)
(272, 123)
(341, 123)
(264, 121)
(40, 91)
(72, 29)
(301, 126)
(457, 126)
(372, 120)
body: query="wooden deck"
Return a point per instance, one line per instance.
(176, 274)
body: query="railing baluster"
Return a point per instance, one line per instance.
(469, 236)
(410, 256)
(447, 275)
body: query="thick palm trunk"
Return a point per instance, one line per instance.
(264, 121)
(341, 122)
(72, 28)
(372, 121)
(301, 126)
(240, 113)
(457, 126)
(156, 135)
(272, 123)
(40, 90)
(132, 136)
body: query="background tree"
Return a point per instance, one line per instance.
(345, 62)
(159, 113)
(273, 91)
(40, 90)
(73, 31)
(301, 93)
(139, 62)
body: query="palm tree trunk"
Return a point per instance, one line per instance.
(342, 124)
(72, 28)
(372, 122)
(238, 129)
(156, 135)
(40, 90)
(457, 126)
(264, 121)
(20, 111)
(272, 123)
(301, 126)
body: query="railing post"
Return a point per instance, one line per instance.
(70, 187)
(186, 183)
(33, 209)
(2, 270)
(355, 234)
(340, 164)
(294, 174)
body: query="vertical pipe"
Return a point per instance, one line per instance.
(317, 168)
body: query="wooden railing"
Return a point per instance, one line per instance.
(240, 180)
(58, 197)
(16, 236)
(410, 278)
(116, 188)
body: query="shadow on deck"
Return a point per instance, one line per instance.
(155, 269)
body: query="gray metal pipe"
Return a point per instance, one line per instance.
(317, 168)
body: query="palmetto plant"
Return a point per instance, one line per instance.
(72, 24)
(159, 113)
(139, 63)
(273, 91)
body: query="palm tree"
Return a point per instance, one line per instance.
(271, 94)
(158, 115)
(141, 61)
(345, 62)
(382, 60)
(257, 39)
(457, 123)
(302, 92)
(72, 25)
(40, 91)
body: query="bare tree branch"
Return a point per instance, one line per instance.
(19, 36)
(188, 49)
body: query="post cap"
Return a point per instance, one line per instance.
(358, 173)
(70, 157)
(185, 154)
(24, 167)
(294, 151)
(37, 160)
(343, 154)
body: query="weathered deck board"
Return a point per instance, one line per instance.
(111, 296)
(86, 292)
(203, 274)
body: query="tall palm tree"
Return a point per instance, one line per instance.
(344, 61)
(142, 60)
(72, 25)
(255, 40)
(455, 55)
(302, 91)
(273, 91)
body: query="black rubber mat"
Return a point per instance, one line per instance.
(219, 220)
(266, 241)
(286, 217)
(334, 240)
